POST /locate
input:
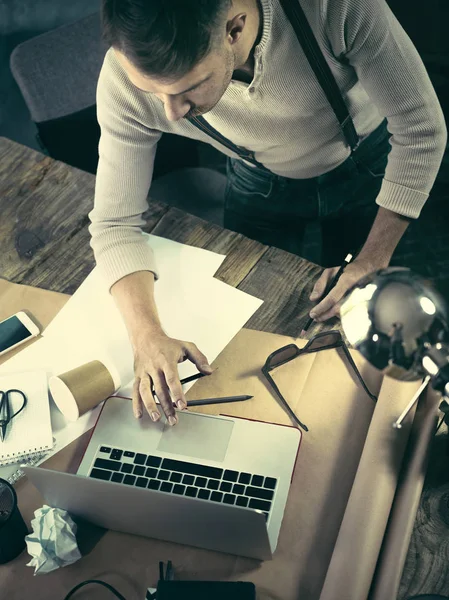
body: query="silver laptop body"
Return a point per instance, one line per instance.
(219, 483)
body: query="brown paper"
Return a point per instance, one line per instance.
(324, 395)
(43, 306)
(402, 517)
(361, 533)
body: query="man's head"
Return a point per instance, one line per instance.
(183, 51)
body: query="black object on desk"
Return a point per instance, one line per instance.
(12, 526)
(330, 286)
(6, 409)
(223, 400)
(205, 590)
(206, 401)
(169, 589)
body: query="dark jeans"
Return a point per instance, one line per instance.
(275, 210)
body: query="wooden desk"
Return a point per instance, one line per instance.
(44, 242)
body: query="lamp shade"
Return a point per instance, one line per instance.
(391, 316)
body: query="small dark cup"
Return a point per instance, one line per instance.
(12, 526)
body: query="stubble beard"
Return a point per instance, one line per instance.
(196, 111)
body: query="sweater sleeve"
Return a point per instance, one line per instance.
(126, 158)
(366, 34)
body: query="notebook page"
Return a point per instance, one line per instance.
(30, 431)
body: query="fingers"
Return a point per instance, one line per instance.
(147, 398)
(137, 400)
(156, 368)
(329, 306)
(163, 393)
(198, 358)
(175, 387)
(321, 284)
(333, 311)
(166, 386)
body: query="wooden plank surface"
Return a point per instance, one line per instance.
(44, 205)
(44, 242)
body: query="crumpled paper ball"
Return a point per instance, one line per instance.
(52, 543)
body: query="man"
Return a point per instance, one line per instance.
(239, 63)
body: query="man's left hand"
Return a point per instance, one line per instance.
(330, 305)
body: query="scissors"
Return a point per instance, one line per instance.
(6, 408)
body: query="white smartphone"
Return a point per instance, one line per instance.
(16, 330)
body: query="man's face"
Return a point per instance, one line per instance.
(194, 94)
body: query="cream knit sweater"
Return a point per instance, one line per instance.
(283, 115)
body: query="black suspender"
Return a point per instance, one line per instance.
(243, 153)
(304, 33)
(306, 38)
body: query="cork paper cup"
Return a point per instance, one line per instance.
(79, 390)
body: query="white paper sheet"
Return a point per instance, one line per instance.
(30, 430)
(192, 306)
(54, 358)
(175, 262)
(205, 311)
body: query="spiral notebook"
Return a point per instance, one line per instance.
(28, 434)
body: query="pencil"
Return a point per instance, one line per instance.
(218, 400)
(331, 284)
(192, 378)
(183, 381)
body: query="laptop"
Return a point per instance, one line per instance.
(214, 482)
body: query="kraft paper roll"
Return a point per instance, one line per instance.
(362, 530)
(79, 390)
(403, 513)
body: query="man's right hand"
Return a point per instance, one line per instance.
(156, 358)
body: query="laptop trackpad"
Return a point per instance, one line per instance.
(198, 436)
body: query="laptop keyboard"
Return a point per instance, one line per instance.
(185, 478)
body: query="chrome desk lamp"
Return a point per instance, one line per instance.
(400, 325)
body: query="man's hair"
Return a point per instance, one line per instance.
(164, 38)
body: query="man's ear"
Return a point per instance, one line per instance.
(235, 27)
